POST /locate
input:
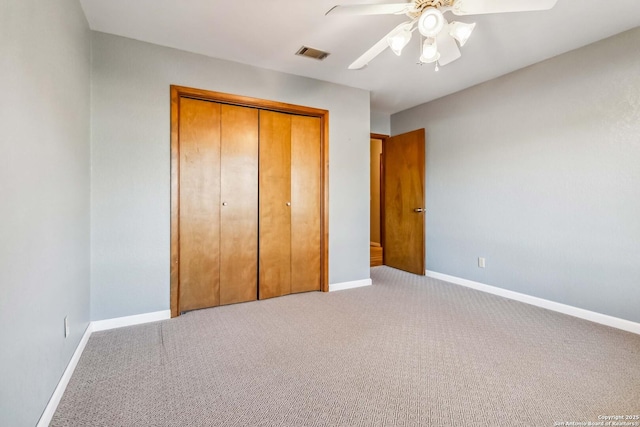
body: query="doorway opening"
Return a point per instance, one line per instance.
(376, 247)
(397, 234)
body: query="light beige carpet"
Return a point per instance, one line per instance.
(407, 351)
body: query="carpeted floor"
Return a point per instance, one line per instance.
(407, 351)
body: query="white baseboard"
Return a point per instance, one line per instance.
(95, 326)
(349, 285)
(119, 322)
(603, 319)
(47, 415)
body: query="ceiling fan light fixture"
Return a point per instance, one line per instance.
(399, 40)
(429, 51)
(431, 22)
(461, 31)
(427, 17)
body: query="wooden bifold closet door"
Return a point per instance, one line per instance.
(289, 204)
(218, 222)
(247, 213)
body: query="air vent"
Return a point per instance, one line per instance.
(310, 52)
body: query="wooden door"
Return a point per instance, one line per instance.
(404, 205)
(275, 205)
(218, 204)
(239, 204)
(199, 198)
(305, 204)
(221, 250)
(290, 204)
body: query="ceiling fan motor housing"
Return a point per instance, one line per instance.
(420, 5)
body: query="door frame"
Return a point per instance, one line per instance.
(382, 138)
(178, 92)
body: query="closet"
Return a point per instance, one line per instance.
(248, 199)
(289, 204)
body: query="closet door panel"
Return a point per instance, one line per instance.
(275, 210)
(239, 205)
(305, 203)
(199, 204)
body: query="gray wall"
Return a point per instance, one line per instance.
(44, 193)
(380, 123)
(131, 165)
(539, 172)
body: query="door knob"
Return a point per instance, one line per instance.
(224, 203)
(288, 203)
(418, 210)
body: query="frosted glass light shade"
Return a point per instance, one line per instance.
(461, 31)
(398, 41)
(429, 51)
(431, 22)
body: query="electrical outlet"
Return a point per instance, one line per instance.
(481, 262)
(66, 327)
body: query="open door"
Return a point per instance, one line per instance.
(404, 205)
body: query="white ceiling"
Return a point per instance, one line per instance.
(267, 33)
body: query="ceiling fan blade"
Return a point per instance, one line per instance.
(377, 48)
(370, 9)
(478, 7)
(447, 47)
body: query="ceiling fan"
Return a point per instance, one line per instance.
(438, 35)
